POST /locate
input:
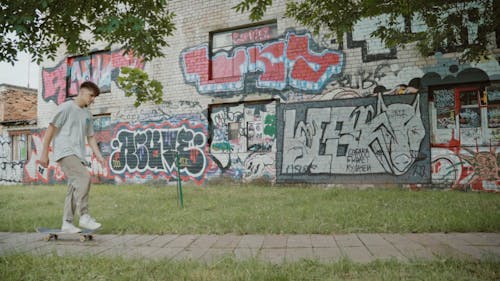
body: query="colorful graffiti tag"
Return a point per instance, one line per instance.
(331, 141)
(35, 173)
(463, 168)
(62, 80)
(293, 61)
(243, 140)
(149, 151)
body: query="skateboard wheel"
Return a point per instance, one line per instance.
(82, 239)
(47, 238)
(55, 237)
(91, 237)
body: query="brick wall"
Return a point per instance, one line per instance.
(363, 77)
(18, 104)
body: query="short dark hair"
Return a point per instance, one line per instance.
(91, 86)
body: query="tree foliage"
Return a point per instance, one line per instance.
(135, 81)
(436, 25)
(40, 27)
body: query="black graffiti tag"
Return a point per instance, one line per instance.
(155, 150)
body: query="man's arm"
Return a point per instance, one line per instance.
(49, 135)
(95, 148)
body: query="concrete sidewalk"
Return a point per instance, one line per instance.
(362, 248)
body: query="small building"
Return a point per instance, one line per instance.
(18, 114)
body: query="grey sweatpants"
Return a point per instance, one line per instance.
(78, 178)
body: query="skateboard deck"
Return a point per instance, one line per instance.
(53, 233)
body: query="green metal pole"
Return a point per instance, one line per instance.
(179, 181)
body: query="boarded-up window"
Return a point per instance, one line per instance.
(226, 59)
(21, 146)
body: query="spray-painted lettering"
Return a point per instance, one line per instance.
(152, 151)
(102, 68)
(286, 62)
(340, 140)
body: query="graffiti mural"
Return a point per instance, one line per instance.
(148, 151)
(35, 173)
(10, 171)
(386, 138)
(465, 138)
(62, 80)
(294, 61)
(464, 168)
(383, 78)
(5, 152)
(243, 140)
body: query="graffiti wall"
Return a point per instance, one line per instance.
(467, 169)
(35, 173)
(293, 107)
(102, 68)
(11, 172)
(465, 141)
(293, 61)
(243, 140)
(381, 139)
(142, 147)
(152, 150)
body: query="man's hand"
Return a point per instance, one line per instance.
(44, 161)
(100, 159)
(49, 134)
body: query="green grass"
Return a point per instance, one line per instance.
(244, 209)
(25, 267)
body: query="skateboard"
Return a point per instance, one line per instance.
(53, 233)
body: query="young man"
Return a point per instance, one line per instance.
(68, 128)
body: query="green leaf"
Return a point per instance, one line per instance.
(135, 81)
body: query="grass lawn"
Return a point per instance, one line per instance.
(245, 209)
(25, 267)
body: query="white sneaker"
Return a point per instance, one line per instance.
(69, 228)
(89, 222)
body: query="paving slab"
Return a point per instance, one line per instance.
(190, 253)
(386, 252)
(227, 241)
(297, 254)
(330, 254)
(165, 253)
(423, 239)
(140, 252)
(22, 247)
(244, 253)
(182, 241)
(362, 247)
(323, 241)
(204, 241)
(299, 241)
(408, 248)
(373, 239)
(272, 255)
(348, 240)
(251, 241)
(141, 240)
(274, 241)
(357, 254)
(116, 251)
(161, 240)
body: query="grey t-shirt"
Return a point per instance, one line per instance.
(73, 124)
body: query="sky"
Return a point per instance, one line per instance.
(23, 73)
